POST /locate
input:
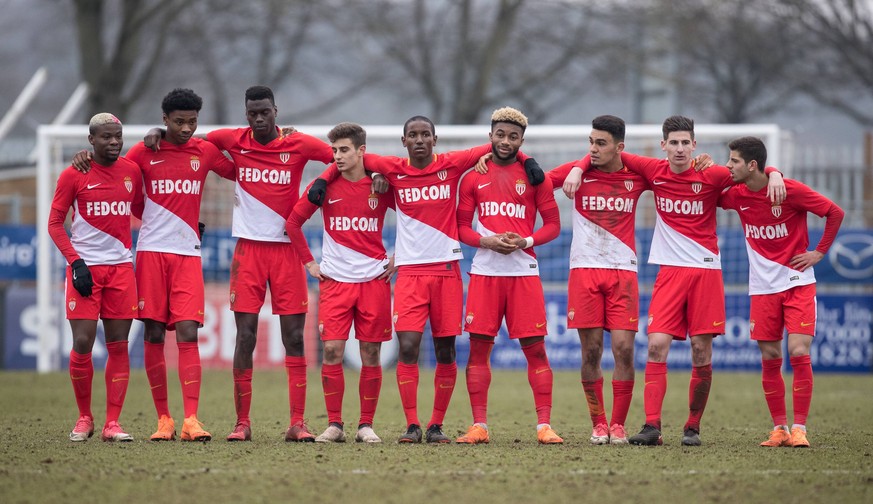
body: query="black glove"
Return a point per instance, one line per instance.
(201, 227)
(535, 174)
(82, 281)
(317, 191)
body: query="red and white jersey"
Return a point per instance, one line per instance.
(267, 178)
(102, 200)
(505, 201)
(426, 204)
(775, 234)
(604, 214)
(173, 179)
(352, 248)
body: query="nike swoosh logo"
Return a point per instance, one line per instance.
(190, 382)
(330, 393)
(634, 319)
(542, 370)
(92, 186)
(771, 392)
(301, 385)
(401, 177)
(716, 324)
(744, 208)
(405, 382)
(445, 386)
(156, 161)
(540, 325)
(806, 324)
(332, 201)
(244, 151)
(798, 389)
(119, 378)
(245, 394)
(78, 377)
(370, 398)
(156, 386)
(659, 182)
(650, 383)
(484, 185)
(589, 180)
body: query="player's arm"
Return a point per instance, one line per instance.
(466, 233)
(551, 228)
(833, 215)
(568, 176)
(300, 213)
(61, 203)
(477, 156)
(219, 163)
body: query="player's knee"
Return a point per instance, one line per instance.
(245, 342)
(332, 354)
(445, 354)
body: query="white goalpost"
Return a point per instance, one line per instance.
(550, 145)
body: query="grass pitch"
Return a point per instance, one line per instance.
(39, 464)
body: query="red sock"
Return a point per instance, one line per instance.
(479, 377)
(594, 396)
(698, 394)
(242, 394)
(334, 383)
(156, 371)
(654, 392)
(82, 375)
(407, 384)
(190, 375)
(444, 380)
(774, 389)
(117, 377)
(802, 366)
(539, 375)
(296, 369)
(369, 386)
(622, 393)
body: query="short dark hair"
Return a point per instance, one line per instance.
(750, 149)
(181, 99)
(352, 131)
(678, 123)
(610, 124)
(419, 118)
(260, 93)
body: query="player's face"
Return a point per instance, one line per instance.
(506, 140)
(419, 141)
(346, 155)
(679, 147)
(181, 125)
(261, 115)
(603, 148)
(107, 143)
(740, 169)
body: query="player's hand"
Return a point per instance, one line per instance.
(535, 174)
(82, 280)
(152, 139)
(314, 271)
(380, 183)
(317, 191)
(498, 244)
(201, 227)
(515, 239)
(482, 168)
(390, 269)
(572, 182)
(82, 161)
(288, 130)
(806, 260)
(703, 161)
(776, 188)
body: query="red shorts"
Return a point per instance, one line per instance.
(518, 298)
(687, 301)
(257, 264)
(170, 287)
(440, 297)
(794, 309)
(368, 304)
(112, 297)
(599, 297)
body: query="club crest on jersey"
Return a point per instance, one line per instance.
(232, 297)
(128, 184)
(469, 318)
(651, 318)
(442, 174)
(629, 185)
(373, 201)
(394, 318)
(572, 313)
(141, 304)
(751, 326)
(696, 187)
(72, 304)
(320, 327)
(520, 186)
(195, 163)
(284, 157)
(776, 211)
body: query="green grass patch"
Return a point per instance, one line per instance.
(39, 464)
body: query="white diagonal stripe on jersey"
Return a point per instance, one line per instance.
(767, 276)
(491, 263)
(96, 246)
(348, 265)
(418, 243)
(595, 247)
(254, 220)
(164, 231)
(672, 248)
